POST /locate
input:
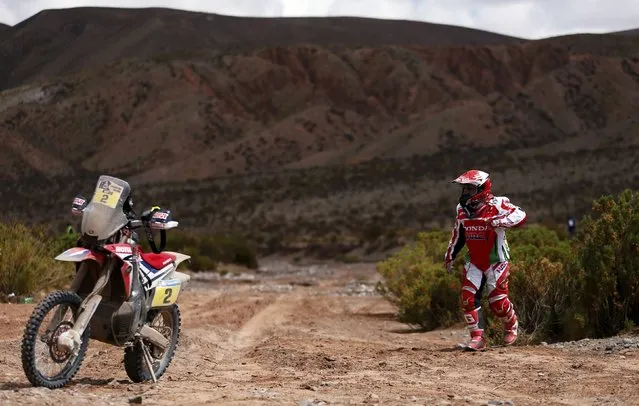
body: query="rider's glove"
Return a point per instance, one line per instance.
(146, 214)
(449, 266)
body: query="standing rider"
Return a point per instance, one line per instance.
(480, 223)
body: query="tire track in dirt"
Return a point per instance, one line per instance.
(254, 330)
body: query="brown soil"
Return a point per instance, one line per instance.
(321, 336)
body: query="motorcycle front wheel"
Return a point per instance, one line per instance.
(43, 361)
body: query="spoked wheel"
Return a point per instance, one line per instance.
(43, 361)
(167, 322)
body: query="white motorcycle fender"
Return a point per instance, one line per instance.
(77, 254)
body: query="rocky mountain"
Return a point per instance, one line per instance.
(57, 42)
(293, 133)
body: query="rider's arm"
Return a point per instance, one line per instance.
(457, 241)
(509, 215)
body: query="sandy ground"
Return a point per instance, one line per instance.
(320, 335)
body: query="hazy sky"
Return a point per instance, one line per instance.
(522, 18)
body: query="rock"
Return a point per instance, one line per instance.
(311, 402)
(136, 399)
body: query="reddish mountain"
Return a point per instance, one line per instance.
(283, 142)
(55, 42)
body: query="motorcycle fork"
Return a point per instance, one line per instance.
(75, 287)
(71, 339)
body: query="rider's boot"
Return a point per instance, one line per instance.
(475, 324)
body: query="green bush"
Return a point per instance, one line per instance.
(64, 241)
(26, 261)
(608, 281)
(415, 281)
(541, 265)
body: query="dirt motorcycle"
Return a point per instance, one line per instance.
(120, 295)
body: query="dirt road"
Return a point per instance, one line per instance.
(319, 335)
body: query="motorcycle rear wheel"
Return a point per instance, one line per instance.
(31, 339)
(134, 362)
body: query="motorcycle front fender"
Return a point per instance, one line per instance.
(79, 254)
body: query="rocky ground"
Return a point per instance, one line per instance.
(319, 335)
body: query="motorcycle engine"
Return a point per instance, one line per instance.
(125, 321)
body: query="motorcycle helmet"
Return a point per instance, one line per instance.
(475, 189)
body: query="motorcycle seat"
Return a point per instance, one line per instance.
(157, 261)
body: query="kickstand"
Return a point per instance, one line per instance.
(147, 359)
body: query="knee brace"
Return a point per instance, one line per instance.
(470, 295)
(498, 300)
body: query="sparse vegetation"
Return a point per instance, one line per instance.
(26, 261)
(415, 281)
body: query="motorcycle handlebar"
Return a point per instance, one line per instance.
(133, 224)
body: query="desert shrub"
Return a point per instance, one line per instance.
(207, 251)
(26, 261)
(541, 265)
(415, 281)
(608, 279)
(64, 241)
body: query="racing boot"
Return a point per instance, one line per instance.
(510, 328)
(474, 321)
(477, 341)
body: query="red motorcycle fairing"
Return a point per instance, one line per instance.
(121, 250)
(124, 252)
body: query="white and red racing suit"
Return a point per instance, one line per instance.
(488, 265)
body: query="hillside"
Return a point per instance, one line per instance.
(294, 143)
(55, 42)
